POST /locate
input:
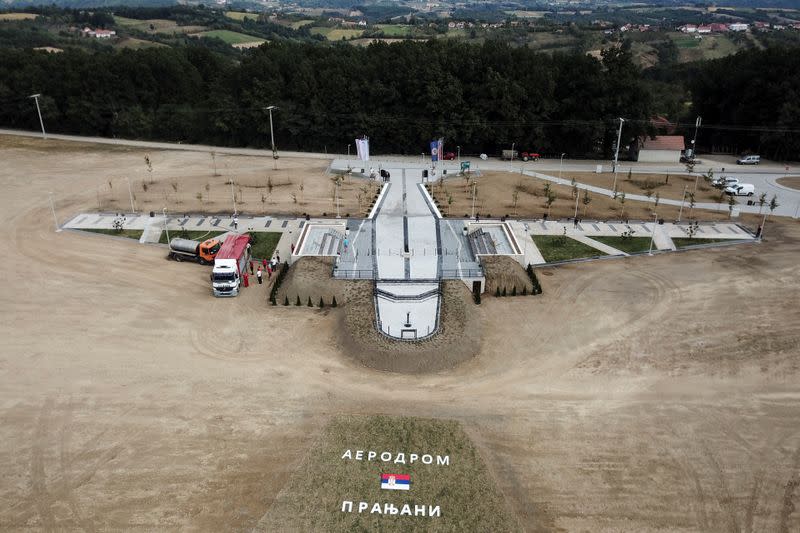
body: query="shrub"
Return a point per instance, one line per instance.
(514, 291)
(504, 292)
(524, 291)
(333, 302)
(321, 302)
(286, 300)
(309, 302)
(497, 292)
(297, 303)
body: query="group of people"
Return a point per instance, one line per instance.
(266, 266)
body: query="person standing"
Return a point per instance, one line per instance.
(235, 222)
(259, 274)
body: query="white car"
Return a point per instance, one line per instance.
(725, 181)
(741, 189)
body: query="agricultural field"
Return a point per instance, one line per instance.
(709, 47)
(230, 37)
(297, 24)
(337, 34)
(156, 25)
(137, 44)
(17, 16)
(241, 15)
(395, 30)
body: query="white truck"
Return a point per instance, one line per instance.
(230, 265)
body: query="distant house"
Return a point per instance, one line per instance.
(718, 27)
(688, 28)
(98, 34)
(661, 149)
(704, 29)
(738, 26)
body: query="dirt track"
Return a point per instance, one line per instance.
(634, 395)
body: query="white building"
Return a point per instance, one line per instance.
(738, 26)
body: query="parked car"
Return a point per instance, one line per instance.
(449, 156)
(749, 160)
(724, 181)
(741, 189)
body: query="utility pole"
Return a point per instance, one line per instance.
(577, 195)
(458, 148)
(272, 138)
(616, 152)
(473, 199)
(561, 164)
(38, 110)
(233, 197)
(511, 162)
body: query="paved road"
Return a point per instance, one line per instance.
(763, 176)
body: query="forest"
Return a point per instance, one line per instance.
(480, 97)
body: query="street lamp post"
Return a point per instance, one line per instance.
(697, 124)
(616, 153)
(511, 163)
(653, 234)
(272, 137)
(458, 148)
(473, 199)
(560, 164)
(348, 156)
(39, 110)
(680, 212)
(130, 194)
(164, 210)
(233, 197)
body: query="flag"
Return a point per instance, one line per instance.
(436, 150)
(362, 147)
(395, 481)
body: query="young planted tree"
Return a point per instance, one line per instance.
(731, 204)
(622, 202)
(655, 202)
(574, 185)
(149, 166)
(551, 197)
(208, 191)
(691, 203)
(302, 188)
(214, 162)
(449, 202)
(514, 198)
(762, 199)
(773, 204)
(629, 174)
(269, 188)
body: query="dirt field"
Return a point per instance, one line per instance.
(792, 182)
(495, 197)
(643, 394)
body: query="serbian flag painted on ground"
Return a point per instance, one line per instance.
(395, 481)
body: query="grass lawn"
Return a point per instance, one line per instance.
(297, 24)
(264, 244)
(683, 242)
(191, 235)
(129, 233)
(629, 245)
(231, 37)
(557, 248)
(463, 489)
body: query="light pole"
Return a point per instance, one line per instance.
(652, 235)
(511, 163)
(233, 197)
(53, 209)
(473, 199)
(458, 148)
(680, 212)
(560, 164)
(697, 124)
(272, 137)
(616, 153)
(577, 195)
(130, 194)
(164, 210)
(527, 236)
(348, 156)
(696, 179)
(38, 110)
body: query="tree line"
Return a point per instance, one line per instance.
(480, 97)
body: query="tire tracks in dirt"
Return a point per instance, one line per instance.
(42, 499)
(787, 505)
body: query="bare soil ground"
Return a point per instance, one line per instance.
(666, 185)
(643, 394)
(311, 277)
(495, 192)
(503, 272)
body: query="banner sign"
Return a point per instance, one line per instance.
(362, 147)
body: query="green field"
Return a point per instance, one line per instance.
(336, 34)
(683, 242)
(629, 245)
(395, 30)
(557, 248)
(264, 243)
(129, 233)
(230, 37)
(462, 489)
(241, 15)
(191, 235)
